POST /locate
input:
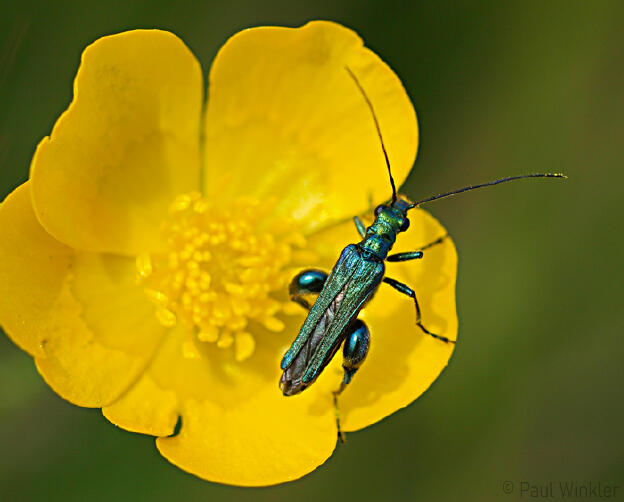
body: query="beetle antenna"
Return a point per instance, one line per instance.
(489, 183)
(383, 147)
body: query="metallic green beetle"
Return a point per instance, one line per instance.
(357, 274)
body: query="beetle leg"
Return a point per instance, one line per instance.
(414, 255)
(406, 290)
(359, 224)
(306, 282)
(409, 255)
(354, 352)
(341, 435)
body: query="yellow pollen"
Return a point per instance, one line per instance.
(224, 275)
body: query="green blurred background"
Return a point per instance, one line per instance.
(534, 390)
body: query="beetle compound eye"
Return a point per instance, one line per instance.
(379, 209)
(405, 225)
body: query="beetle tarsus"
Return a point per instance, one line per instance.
(341, 435)
(406, 290)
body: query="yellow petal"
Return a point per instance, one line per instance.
(107, 339)
(33, 268)
(285, 120)
(113, 306)
(127, 144)
(104, 342)
(145, 408)
(402, 362)
(265, 441)
(39, 278)
(237, 428)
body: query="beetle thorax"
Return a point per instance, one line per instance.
(381, 235)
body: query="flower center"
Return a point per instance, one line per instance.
(225, 270)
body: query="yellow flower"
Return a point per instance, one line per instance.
(145, 263)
